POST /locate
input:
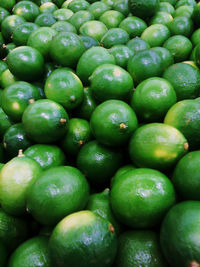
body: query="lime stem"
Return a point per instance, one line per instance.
(63, 121)
(123, 126)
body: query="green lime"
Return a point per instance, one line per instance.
(62, 14)
(113, 122)
(157, 145)
(14, 139)
(5, 122)
(92, 58)
(57, 192)
(26, 63)
(121, 6)
(179, 46)
(150, 194)
(143, 8)
(16, 178)
(181, 26)
(45, 121)
(67, 242)
(121, 171)
(180, 232)
(66, 48)
(65, 88)
(145, 64)
(98, 163)
(16, 97)
(166, 56)
(161, 18)
(195, 38)
(133, 25)
(63, 26)
(7, 79)
(26, 9)
(40, 39)
(22, 33)
(166, 7)
(185, 79)
(78, 135)
(110, 81)
(33, 252)
(45, 20)
(88, 105)
(111, 18)
(114, 36)
(156, 34)
(80, 17)
(77, 5)
(48, 7)
(93, 28)
(100, 204)
(139, 248)
(9, 47)
(13, 230)
(3, 13)
(122, 53)
(9, 24)
(185, 116)
(152, 98)
(186, 176)
(98, 8)
(186, 11)
(46, 155)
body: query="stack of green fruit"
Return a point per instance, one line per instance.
(99, 133)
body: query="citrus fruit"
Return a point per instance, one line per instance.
(7, 79)
(150, 194)
(186, 11)
(166, 56)
(33, 252)
(66, 49)
(93, 28)
(22, 33)
(179, 234)
(63, 26)
(185, 2)
(65, 88)
(185, 116)
(111, 18)
(133, 25)
(114, 36)
(152, 98)
(166, 7)
(156, 34)
(92, 58)
(78, 134)
(122, 54)
(3, 13)
(26, 63)
(40, 39)
(143, 8)
(157, 145)
(161, 18)
(139, 248)
(16, 177)
(13, 230)
(48, 7)
(9, 24)
(7, 4)
(57, 192)
(137, 44)
(98, 8)
(14, 139)
(62, 14)
(80, 17)
(77, 5)
(121, 6)
(109, 81)
(145, 64)
(113, 122)
(195, 38)
(46, 155)
(121, 171)
(196, 14)
(16, 97)
(67, 242)
(5, 122)
(181, 25)
(45, 19)
(185, 79)
(186, 176)
(26, 9)
(99, 203)
(98, 163)
(89, 41)
(45, 121)
(179, 46)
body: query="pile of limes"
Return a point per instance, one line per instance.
(99, 133)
